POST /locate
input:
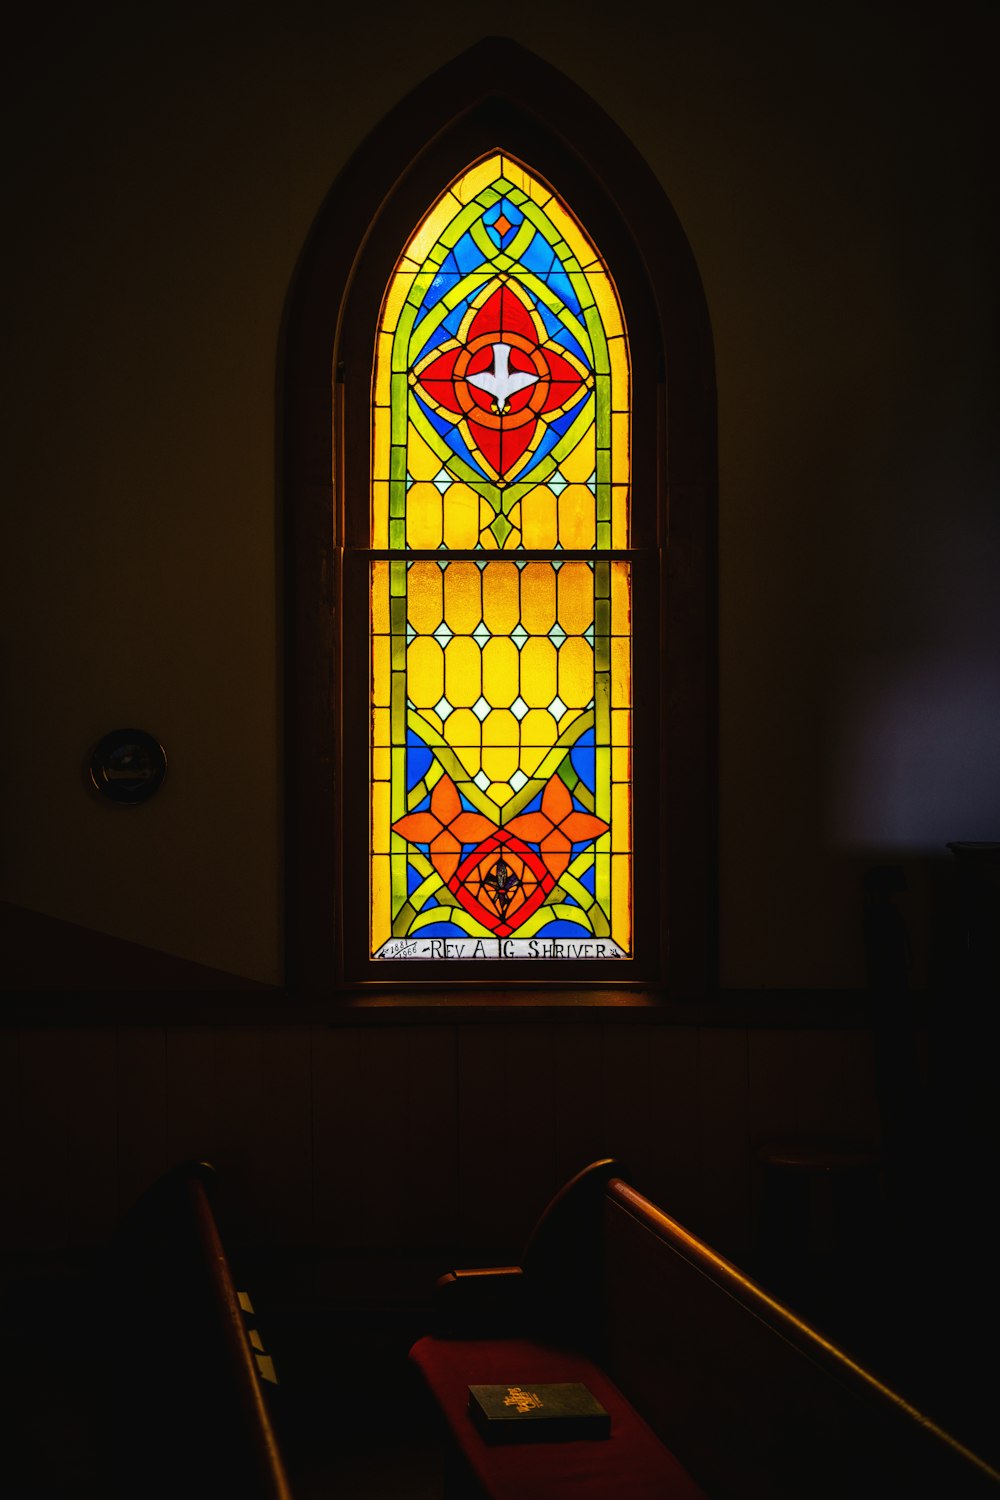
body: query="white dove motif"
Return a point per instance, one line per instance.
(501, 382)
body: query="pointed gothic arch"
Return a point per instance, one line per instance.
(497, 96)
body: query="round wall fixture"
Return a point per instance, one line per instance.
(128, 766)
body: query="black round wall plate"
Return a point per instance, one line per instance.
(128, 766)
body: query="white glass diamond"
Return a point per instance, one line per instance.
(518, 708)
(481, 709)
(557, 708)
(519, 635)
(482, 780)
(481, 635)
(442, 635)
(557, 483)
(592, 483)
(442, 479)
(557, 635)
(588, 635)
(410, 633)
(518, 779)
(442, 708)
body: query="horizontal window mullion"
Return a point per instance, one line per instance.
(521, 554)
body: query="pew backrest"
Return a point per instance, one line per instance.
(753, 1401)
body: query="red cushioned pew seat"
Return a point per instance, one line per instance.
(631, 1464)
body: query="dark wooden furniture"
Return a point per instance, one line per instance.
(745, 1399)
(190, 1413)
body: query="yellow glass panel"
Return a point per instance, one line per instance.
(380, 445)
(381, 793)
(381, 732)
(500, 744)
(538, 518)
(462, 672)
(421, 461)
(433, 226)
(399, 290)
(621, 764)
(381, 764)
(618, 354)
(606, 299)
(501, 666)
(619, 448)
(538, 597)
(577, 516)
(461, 516)
(580, 463)
(477, 177)
(621, 726)
(424, 517)
(621, 685)
(424, 672)
(621, 599)
(462, 597)
(424, 597)
(519, 178)
(500, 791)
(381, 901)
(463, 730)
(380, 598)
(621, 900)
(576, 672)
(380, 671)
(576, 597)
(621, 802)
(619, 515)
(571, 232)
(501, 604)
(537, 728)
(538, 673)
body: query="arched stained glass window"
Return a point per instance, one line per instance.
(501, 583)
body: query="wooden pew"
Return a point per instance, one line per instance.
(715, 1389)
(190, 1412)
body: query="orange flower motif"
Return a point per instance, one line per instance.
(446, 826)
(557, 826)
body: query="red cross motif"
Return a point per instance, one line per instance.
(503, 377)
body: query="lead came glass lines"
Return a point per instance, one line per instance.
(501, 683)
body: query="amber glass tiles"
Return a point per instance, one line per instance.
(501, 682)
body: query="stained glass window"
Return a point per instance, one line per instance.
(501, 586)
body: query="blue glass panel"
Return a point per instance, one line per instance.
(467, 254)
(562, 928)
(587, 879)
(413, 878)
(417, 765)
(539, 256)
(561, 285)
(584, 759)
(439, 929)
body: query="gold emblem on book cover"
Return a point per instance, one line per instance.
(523, 1400)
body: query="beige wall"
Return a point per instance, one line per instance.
(830, 174)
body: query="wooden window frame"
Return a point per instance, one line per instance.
(497, 95)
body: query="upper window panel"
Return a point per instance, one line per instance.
(501, 383)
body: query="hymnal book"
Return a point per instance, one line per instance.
(537, 1413)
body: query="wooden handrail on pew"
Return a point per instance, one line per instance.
(191, 1413)
(714, 1387)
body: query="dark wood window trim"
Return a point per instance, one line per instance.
(495, 95)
